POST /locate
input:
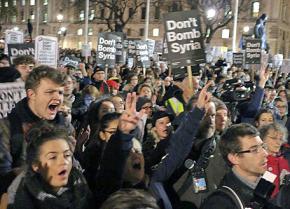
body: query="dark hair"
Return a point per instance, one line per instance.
(107, 118)
(145, 85)
(264, 130)
(130, 199)
(230, 140)
(261, 111)
(23, 59)
(40, 133)
(43, 72)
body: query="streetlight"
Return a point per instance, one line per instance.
(16, 28)
(246, 29)
(59, 17)
(63, 29)
(210, 13)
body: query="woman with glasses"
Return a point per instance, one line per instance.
(92, 150)
(274, 136)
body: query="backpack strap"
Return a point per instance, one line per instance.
(232, 194)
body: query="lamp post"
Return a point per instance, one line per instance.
(86, 27)
(147, 20)
(235, 25)
(59, 18)
(37, 17)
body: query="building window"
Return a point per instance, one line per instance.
(90, 32)
(22, 16)
(6, 4)
(13, 18)
(32, 16)
(80, 44)
(155, 32)
(82, 15)
(131, 12)
(23, 2)
(141, 32)
(45, 17)
(143, 13)
(45, 2)
(225, 33)
(255, 9)
(32, 2)
(101, 30)
(157, 13)
(80, 32)
(102, 14)
(92, 14)
(14, 2)
(129, 32)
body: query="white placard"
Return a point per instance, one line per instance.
(46, 50)
(13, 37)
(10, 94)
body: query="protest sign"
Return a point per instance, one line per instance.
(253, 51)
(285, 68)
(10, 94)
(12, 37)
(86, 50)
(120, 51)
(131, 46)
(158, 47)
(15, 50)
(184, 38)
(238, 59)
(106, 50)
(46, 50)
(142, 54)
(71, 60)
(277, 60)
(151, 46)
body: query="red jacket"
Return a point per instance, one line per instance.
(275, 165)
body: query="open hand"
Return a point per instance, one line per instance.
(204, 96)
(130, 117)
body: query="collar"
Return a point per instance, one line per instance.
(245, 181)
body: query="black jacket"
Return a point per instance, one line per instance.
(30, 191)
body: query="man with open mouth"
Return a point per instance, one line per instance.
(44, 89)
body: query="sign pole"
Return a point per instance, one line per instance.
(189, 77)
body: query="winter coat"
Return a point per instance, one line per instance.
(275, 165)
(13, 142)
(30, 191)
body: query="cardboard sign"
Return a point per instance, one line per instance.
(106, 50)
(184, 38)
(285, 68)
(142, 54)
(120, 50)
(253, 51)
(86, 50)
(151, 47)
(131, 46)
(238, 59)
(46, 50)
(158, 47)
(15, 50)
(277, 60)
(10, 94)
(12, 37)
(71, 60)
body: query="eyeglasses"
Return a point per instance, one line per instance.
(254, 149)
(110, 132)
(147, 108)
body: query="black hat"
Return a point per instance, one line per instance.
(97, 69)
(141, 101)
(161, 114)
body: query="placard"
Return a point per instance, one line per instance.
(142, 54)
(253, 51)
(106, 50)
(184, 38)
(15, 50)
(285, 68)
(13, 37)
(238, 59)
(46, 50)
(10, 94)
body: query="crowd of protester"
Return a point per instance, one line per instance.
(98, 137)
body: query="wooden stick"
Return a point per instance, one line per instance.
(189, 77)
